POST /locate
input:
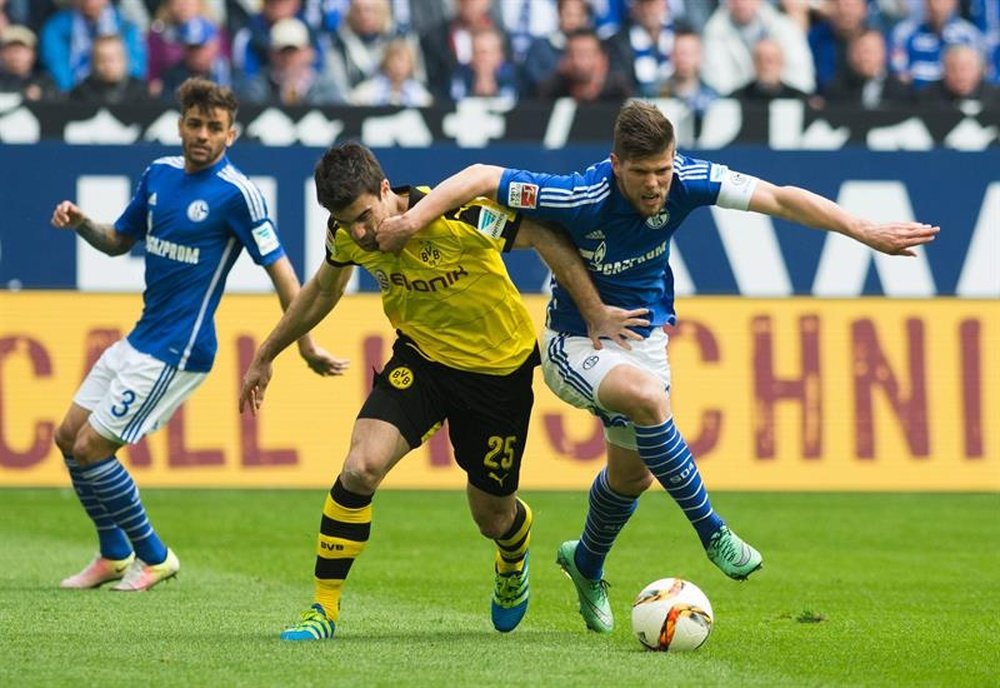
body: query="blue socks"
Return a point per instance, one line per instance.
(607, 514)
(112, 540)
(668, 457)
(117, 494)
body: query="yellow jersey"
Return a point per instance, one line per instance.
(448, 290)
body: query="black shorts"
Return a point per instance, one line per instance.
(487, 414)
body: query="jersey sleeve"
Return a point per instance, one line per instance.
(490, 224)
(338, 253)
(251, 223)
(566, 199)
(709, 183)
(132, 221)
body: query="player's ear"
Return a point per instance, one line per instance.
(383, 189)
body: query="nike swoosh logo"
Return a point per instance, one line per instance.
(119, 569)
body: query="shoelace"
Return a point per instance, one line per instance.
(509, 586)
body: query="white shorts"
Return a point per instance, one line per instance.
(130, 394)
(574, 370)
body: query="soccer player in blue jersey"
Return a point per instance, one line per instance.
(621, 213)
(195, 213)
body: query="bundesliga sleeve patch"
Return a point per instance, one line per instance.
(522, 195)
(265, 238)
(491, 223)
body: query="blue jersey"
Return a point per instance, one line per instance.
(194, 226)
(916, 48)
(627, 254)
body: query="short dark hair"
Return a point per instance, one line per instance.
(344, 173)
(641, 130)
(206, 95)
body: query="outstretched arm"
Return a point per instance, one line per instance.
(810, 209)
(312, 303)
(286, 284)
(456, 190)
(562, 257)
(101, 236)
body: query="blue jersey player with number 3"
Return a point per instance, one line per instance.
(621, 213)
(195, 213)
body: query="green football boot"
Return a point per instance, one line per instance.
(736, 558)
(593, 594)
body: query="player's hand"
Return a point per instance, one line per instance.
(897, 238)
(393, 233)
(613, 323)
(322, 362)
(67, 216)
(255, 381)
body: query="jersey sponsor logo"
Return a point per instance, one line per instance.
(172, 251)
(198, 210)
(387, 280)
(265, 238)
(659, 220)
(491, 223)
(522, 195)
(400, 377)
(595, 235)
(620, 266)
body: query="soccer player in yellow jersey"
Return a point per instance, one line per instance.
(465, 353)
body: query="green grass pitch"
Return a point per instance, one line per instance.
(857, 590)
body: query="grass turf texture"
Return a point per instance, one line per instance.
(857, 590)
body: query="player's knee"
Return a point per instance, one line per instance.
(65, 436)
(360, 476)
(649, 405)
(492, 524)
(89, 448)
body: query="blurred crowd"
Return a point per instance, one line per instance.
(869, 53)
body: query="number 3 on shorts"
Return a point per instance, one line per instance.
(128, 397)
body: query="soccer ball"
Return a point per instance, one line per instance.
(672, 614)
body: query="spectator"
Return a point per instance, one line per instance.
(963, 83)
(109, 81)
(202, 58)
(489, 74)
(252, 44)
(735, 28)
(767, 84)
(394, 83)
(829, 37)
(18, 72)
(542, 60)
(165, 46)
(359, 44)
(524, 21)
(291, 77)
(415, 17)
(917, 47)
(686, 84)
(584, 73)
(642, 48)
(68, 36)
(448, 46)
(867, 81)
